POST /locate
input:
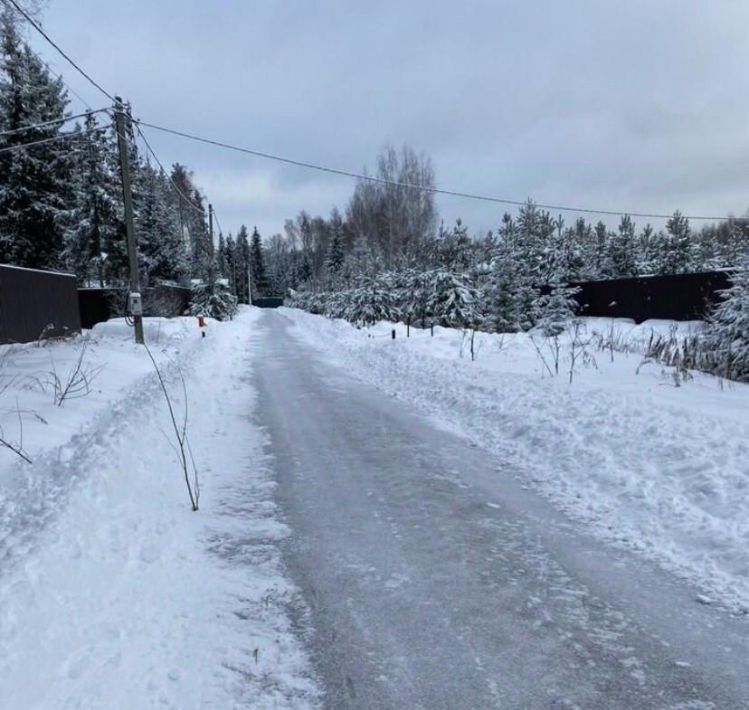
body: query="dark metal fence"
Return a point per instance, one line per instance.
(676, 297)
(35, 303)
(268, 302)
(100, 304)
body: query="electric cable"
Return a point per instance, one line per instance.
(412, 186)
(51, 123)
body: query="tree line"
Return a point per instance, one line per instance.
(388, 246)
(61, 203)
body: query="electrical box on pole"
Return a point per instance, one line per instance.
(135, 305)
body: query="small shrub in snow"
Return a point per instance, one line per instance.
(76, 383)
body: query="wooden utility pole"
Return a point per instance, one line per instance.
(211, 252)
(134, 298)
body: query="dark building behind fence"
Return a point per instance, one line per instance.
(675, 297)
(36, 303)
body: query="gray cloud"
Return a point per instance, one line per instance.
(637, 105)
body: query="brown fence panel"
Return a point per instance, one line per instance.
(34, 302)
(675, 297)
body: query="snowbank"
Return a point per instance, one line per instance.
(155, 330)
(112, 592)
(647, 460)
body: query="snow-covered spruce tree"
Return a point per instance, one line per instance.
(524, 254)
(215, 301)
(500, 294)
(556, 309)
(725, 341)
(242, 265)
(334, 259)
(94, 221)
(36, 182)
(160, 243)
(231, 267)
(257, 265)
(222, 262)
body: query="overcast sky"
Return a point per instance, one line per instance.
(639, 105)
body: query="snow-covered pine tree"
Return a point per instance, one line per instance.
(726, 338)
(36, 196)
(570, 246)
(370, 303)
(647, 251)
(677, 254)
(415, 296)
(532, 242)
(452, 300)
(621, 250)
(455, 247)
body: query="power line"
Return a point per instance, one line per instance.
(218, 222)
(70, 88)
(36, 26)
(51, 123)
(423, 188)
(21, 146)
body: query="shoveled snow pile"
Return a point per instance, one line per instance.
(648, 459)
(113, 593)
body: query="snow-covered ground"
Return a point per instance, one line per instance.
(113, 593)
(647, 460)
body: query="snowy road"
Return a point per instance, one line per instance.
(433, 579)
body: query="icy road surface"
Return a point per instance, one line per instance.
(432, 578)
